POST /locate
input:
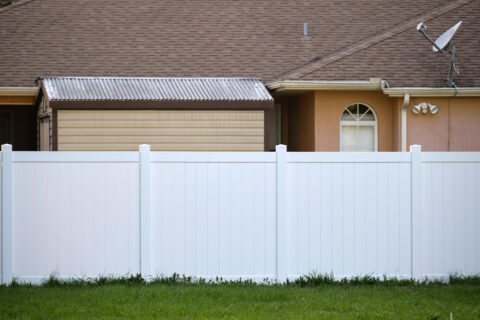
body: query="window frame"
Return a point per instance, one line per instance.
(358, 123)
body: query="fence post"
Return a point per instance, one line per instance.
(7, 214)
(145, 225)
(416, 212)
(281, 223)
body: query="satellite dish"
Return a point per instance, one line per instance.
(443, 45)
(445, 38)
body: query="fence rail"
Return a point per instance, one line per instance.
(239, 215)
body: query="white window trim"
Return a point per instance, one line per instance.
(359, 123)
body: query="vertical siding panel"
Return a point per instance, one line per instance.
(371, 219)
(315, 226)
(248, 219)
(51, 220)
(236, 209)
(477, 216)
(292, 224)
(393, 218)
(31, 212)
(460, 199)
(190, 219)
(156, 211)
(435, 203)
(224, 219)
(303, 214)
(337, 223)
(427, 234)
(471, 247)
(212, 219)
(108, 223)
(63, 198)
(166, 220)
(178, 216)
(36, 239)
(270, 220)
(94, 219)
(113, 184)
(258, 219)
(111, 221)
(382, 219)
(123, 265)
(348, 192)
(75, 228)
(405, 219)
(326, 218)
(202, 214)
(118, 182)
(20, 223)
(359, 198)
(134, 218)
(42, 222)
(449, 216)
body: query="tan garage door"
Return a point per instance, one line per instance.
(163, 130)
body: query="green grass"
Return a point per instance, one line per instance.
(312, 297)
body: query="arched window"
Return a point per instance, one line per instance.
(358, 128)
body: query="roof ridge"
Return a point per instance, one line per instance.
(320, 62)
(14, 5)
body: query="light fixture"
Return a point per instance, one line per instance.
(424, 107)
(417, 109)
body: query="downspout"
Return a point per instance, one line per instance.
(406, 101)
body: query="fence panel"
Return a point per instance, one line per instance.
(1, 218)
(214, 216)
(79, 214)
(349, 218)
(75, 218)
(451, 214)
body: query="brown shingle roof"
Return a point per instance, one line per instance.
(174, 38)
(407, 59)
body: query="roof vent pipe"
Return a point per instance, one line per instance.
(305, 29)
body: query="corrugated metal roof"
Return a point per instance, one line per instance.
(125, 89)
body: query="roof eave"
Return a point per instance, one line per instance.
(18, 91)
(18, 96)
(307, 85)
(433, 92)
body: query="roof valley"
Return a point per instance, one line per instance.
(320, 62)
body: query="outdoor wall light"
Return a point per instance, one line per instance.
(424, 107)
(433, 109)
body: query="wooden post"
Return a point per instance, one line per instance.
(281, 223)
(7, 214)
(145, 218)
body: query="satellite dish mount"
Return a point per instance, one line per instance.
(443, 45)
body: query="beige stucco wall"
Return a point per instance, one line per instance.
(164, 130)
(456, 126)
(329, 106)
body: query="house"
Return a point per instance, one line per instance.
(344, 76)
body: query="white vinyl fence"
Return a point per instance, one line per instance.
(239, 215)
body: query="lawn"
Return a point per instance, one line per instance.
(241, 301)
